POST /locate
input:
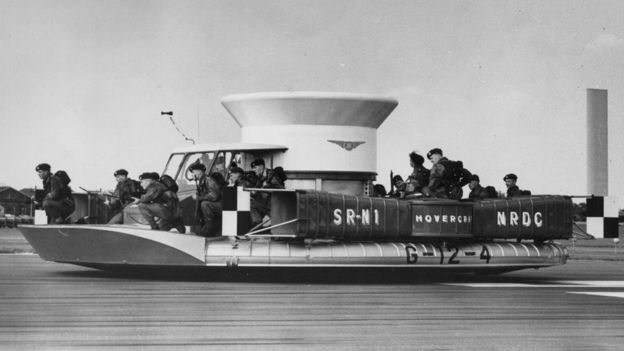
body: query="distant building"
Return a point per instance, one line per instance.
(14, 202)
(30, 192)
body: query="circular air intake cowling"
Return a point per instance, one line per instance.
(331, 137)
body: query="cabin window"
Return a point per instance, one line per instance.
(185, 176)
(238, 158)
(220, 163)
(215, 162)
(224, 161)
(173, 165)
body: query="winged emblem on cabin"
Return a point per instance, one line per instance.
(347, 145)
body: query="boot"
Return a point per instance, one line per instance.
(179, 226)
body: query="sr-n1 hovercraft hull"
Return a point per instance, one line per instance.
(319, 229)
(104, 246)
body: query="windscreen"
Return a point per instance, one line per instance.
(173, 165)
(185, 176)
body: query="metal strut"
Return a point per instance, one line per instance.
(254, 232)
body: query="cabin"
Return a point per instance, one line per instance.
(323, 141)
(331, 138)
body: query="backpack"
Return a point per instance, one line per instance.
(252, 179)
(453, 171)
(218, 177)
(491, 192)
(62, 175)
(169, 183)
(137, 189)
(279, 174)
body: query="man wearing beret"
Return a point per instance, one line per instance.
(510, 182)
(159, 202)
(259, 168)
(264, 178)
(208, 200)
(125, 193)
(258, 200)
(239, 178)
(276, 178)
(447, 177)
(477, 192)
(267, 178)
(57, 200)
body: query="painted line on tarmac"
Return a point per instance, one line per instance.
(17, 253)
(596, 283)
(501, 285)
(599, 293)
(555, 284)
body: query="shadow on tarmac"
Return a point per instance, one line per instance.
(358, 276)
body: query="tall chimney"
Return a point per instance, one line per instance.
(597, 143)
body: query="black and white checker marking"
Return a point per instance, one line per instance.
(236, 211)
(602, 217)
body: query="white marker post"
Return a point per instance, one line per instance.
(236, 211)
(40, 217)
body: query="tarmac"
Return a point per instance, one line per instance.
(52, 306)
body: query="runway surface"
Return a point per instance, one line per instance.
(51, 306)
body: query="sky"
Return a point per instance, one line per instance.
(500, 85)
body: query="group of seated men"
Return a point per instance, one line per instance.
(445, 179)
(159, 198)
(209, 192)
(156, 196)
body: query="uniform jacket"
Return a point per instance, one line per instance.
(273, 181)
(478, 193)
(208, 189)
(439, 178)
(154, 193)
(268, 180)
(513, 191)
(417, 180)
(54, 189)
(436, 175)
(125, 190)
